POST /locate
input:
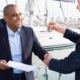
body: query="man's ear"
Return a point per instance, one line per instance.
(5, 18)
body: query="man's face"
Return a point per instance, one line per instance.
(13, 18)
(78, 6)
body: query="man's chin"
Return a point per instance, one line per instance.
(18, 26)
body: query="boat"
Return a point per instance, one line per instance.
(38, 21)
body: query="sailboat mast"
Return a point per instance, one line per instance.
(6, 1)
(16, 2)
(46, 15)
(31, 7)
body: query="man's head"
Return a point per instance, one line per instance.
(12, 16)
(78, 6)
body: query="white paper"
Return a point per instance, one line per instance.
(20, 66)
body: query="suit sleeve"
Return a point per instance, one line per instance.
(68, 64)
(37, 48)
(71, 35)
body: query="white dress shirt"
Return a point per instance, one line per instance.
(15, 46)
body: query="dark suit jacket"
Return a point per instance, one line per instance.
(29, 44)
(72, 62)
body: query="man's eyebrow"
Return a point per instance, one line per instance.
(14, 14)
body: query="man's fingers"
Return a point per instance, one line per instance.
(45, 61)
(51, 23)
(45, 56)
(3, 61)
(2, 66)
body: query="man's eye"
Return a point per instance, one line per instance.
(20, 14)
(14, 15)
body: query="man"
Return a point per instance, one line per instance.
(72, 62)
(17, 44)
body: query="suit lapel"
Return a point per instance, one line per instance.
(24, 40)
(6, 41)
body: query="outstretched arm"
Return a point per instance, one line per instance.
(67, 33)
(66, 65)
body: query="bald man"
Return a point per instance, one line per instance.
(17, 43)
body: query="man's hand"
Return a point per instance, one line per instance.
(2, 66)
(47, 59)
(56, 27)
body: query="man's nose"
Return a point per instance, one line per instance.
(19, 17)
(77, 7)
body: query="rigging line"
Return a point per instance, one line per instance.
(62, 9)
(38, 6)
(7, 2)
(27, 6)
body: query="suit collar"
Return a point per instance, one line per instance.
(25, 39)
(6, 41)
(10, 32)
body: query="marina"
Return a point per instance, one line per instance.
(43, 73)
(37, 17)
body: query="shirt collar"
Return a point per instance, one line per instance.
(10, 32)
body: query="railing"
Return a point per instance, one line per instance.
(42, 73)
